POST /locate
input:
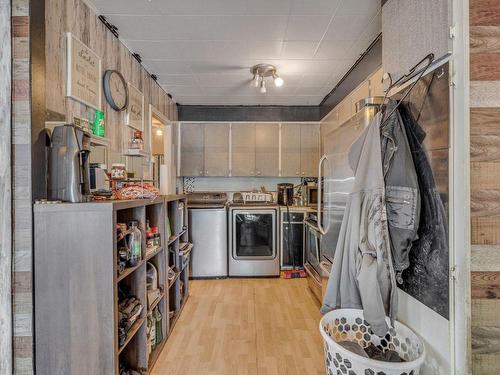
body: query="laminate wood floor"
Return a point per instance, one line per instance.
(245, 327)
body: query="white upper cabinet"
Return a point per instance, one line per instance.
(217, 149)
(267, 149)
(290, 150)
(249, 149)
(309, 150)
(243, 149)
(192, 149)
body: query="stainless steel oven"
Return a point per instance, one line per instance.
(313, 256)
(253, 241)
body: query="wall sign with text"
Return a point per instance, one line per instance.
(135, 110)
(83, 76)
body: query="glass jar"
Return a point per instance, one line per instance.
(134, 243)
(118, 171)
(136, 142)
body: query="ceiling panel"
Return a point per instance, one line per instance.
(202, 50)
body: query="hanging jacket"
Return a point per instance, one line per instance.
(362, 275)
(402, 195)
(429, 256)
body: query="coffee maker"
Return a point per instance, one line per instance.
(69, 172)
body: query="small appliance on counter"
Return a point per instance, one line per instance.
(311, 195)
(99, 181)
(69, 172)
(285, 194)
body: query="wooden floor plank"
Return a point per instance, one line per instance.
(246, 327)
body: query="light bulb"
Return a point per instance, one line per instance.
(159, 132)
(278, 81)
(255, 81)
(263, 87)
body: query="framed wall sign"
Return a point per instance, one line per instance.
(83, 73)
(135, 110)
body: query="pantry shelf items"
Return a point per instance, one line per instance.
(119, 259)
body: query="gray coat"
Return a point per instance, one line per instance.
(362, 275)
(402, 194)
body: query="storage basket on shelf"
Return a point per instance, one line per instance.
(349, 325)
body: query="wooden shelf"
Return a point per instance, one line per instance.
(156, 302)
(128, 271)
(153, 357)
(131, 333)
(170, 283)
(154, 253)
(176, 237)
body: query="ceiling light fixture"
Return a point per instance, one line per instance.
(255, 80)
(262, 71)
(263, 89)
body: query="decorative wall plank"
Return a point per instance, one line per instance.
(484, 66)
(485, 94)
(485, 121)
(485, 364)
(485, 258)
(485, 285)
(485, 175)
(485, 203)
(485, 230)
(5, 190)
(484, 12)
(485, 39)
(485, 148)
(485, 312)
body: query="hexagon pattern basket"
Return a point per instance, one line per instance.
(348, 324)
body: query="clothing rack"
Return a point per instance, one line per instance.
(405, 78)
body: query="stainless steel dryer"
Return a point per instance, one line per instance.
(253, 240)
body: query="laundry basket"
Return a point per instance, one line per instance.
(348, 324)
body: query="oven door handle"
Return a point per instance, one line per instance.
(320, 191)
(313, 227)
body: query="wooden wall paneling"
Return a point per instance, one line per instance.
(484, 121)
(485, 230)
(485, 285)
(485, 258)
(484, 12)
(484, 39)
(5, 191)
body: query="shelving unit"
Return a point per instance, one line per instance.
(80, 241)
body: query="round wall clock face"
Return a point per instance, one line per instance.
(115, 90)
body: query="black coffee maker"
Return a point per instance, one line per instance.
(285, 194)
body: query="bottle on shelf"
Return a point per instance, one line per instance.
(134, 243)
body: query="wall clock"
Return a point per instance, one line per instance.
(115, 90)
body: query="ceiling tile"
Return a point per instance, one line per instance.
(165, 67)
(306, 27)
(347, 27)
(176, 79)
(360, 7)
(165, 50)
(222, 80)
(314, 80)
(274, 7)
(298, 50)
(202, 7)
(334, 49)
(314, 7)
(107, 7)
(184, 90)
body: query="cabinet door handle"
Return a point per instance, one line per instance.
(201, 173)
(206, 173)
(258, 173)
(297, 173)
(303, 173)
